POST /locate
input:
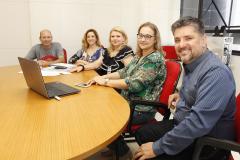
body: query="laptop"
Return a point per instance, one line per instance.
(33, 76)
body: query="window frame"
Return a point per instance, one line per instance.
(229, 28)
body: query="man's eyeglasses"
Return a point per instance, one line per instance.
(146, 36)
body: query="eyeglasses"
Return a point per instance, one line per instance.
(146, 36)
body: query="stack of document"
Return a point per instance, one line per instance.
(57, 69)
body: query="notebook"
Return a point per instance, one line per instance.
(34, 79)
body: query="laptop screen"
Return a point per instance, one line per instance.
(33, 76)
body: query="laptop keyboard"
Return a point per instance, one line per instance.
(55, 89)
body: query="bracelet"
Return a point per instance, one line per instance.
(83, 68)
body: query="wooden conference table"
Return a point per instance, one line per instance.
(77, 126)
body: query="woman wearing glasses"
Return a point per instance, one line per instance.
(113, 58)
(142, 78)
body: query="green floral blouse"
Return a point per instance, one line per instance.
(144, 78)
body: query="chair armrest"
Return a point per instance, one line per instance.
(214, 142)
(157, 105)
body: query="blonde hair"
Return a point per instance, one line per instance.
(85, 44)
(120, 30)
(157, 45)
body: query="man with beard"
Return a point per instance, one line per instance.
(205, 104)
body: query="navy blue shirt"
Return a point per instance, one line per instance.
(206, 105)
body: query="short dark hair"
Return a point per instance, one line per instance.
(186, 21)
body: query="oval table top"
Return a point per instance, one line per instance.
(77, 126)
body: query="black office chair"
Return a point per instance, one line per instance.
(221, 143)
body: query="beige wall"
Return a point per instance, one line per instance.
(15, 30)
(21, 21)
(70, 19)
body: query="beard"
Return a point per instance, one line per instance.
(187, 58)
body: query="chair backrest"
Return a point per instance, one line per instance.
(65, 55)
(170, 53)
(174, 70)
(237, 119)
(173, 73)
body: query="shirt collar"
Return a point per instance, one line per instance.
(190, 67)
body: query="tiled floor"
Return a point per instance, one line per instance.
(134, 146)
(236, 155)
(97, 156)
